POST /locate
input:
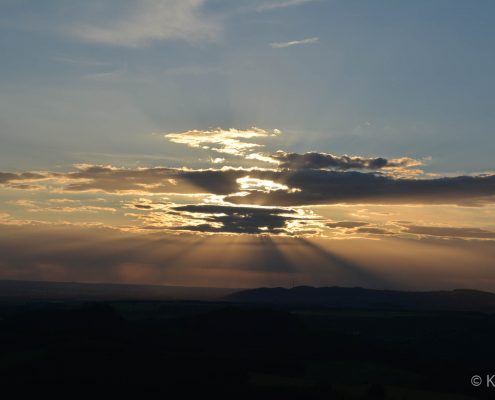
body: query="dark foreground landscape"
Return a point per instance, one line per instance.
(307, 343)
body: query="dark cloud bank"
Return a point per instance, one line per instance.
(152, 180)
(319, 187)
(313, 187)
(317, 160)
(309, 179)
(453, 232)
(238, 219)
(306, 186)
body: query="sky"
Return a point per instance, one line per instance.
(248, 143)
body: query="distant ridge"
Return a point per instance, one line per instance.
(333, 297)
(357, 297)
(12, 290)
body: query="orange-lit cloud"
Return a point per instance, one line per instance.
(259, 201)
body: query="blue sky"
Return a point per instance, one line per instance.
(93, 81)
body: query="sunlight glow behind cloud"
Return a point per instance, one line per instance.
(231, 141)
(252, 200)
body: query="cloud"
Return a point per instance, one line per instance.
(150, 180)
(81, 61)
(63, 201)
(151, 20)
(79, 209)
(261, 157)
(106, 75)
(24, 203)
(374, 231)
(237, 142)
(47, 206)
(356, 228)
(316, 160)
(283, 45)
(23, 186)
(18, 181)
(402, 228)
(248, 184)
(333, 187)
(346, 224)
(159, 180)
(281, 4)
(451, 232)
(229, 219)
(231, 141)
(9, 177)
(273, 187)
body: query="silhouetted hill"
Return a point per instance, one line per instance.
(32, 290)
(339, 297)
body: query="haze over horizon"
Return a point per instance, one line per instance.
(250, 143)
